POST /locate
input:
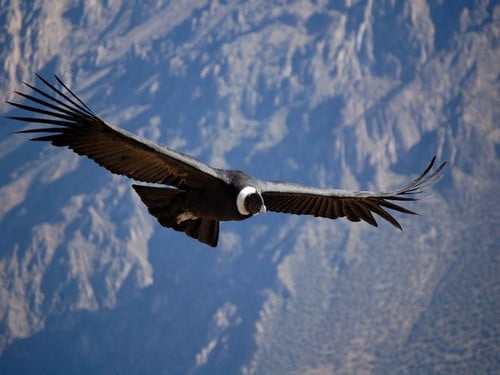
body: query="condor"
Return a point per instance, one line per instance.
(195, 197)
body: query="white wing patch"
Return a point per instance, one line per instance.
(185, 216)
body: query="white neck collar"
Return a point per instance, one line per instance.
(240, 199)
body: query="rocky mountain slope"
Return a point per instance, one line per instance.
(353, 94)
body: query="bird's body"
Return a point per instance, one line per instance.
(195, 197)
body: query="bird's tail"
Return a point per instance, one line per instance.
(168, 206)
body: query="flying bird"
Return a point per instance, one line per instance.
(195, 197)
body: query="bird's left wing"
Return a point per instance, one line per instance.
(71, 123)
(354, 205)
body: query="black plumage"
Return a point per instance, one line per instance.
(197, 196)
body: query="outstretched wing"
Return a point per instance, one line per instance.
(354, 205)
(74, 125)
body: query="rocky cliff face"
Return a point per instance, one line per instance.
(347, 94)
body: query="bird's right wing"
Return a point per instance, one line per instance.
(74, 125)
(354, 205)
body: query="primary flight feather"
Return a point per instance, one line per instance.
(196, 196)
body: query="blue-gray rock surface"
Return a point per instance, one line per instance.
(351, 94)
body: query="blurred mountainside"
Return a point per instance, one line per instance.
(350, 94)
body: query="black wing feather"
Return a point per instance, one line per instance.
(354, 205)
(76, 126)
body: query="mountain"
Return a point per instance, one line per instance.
(352, 94)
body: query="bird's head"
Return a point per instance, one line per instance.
(249, 201)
